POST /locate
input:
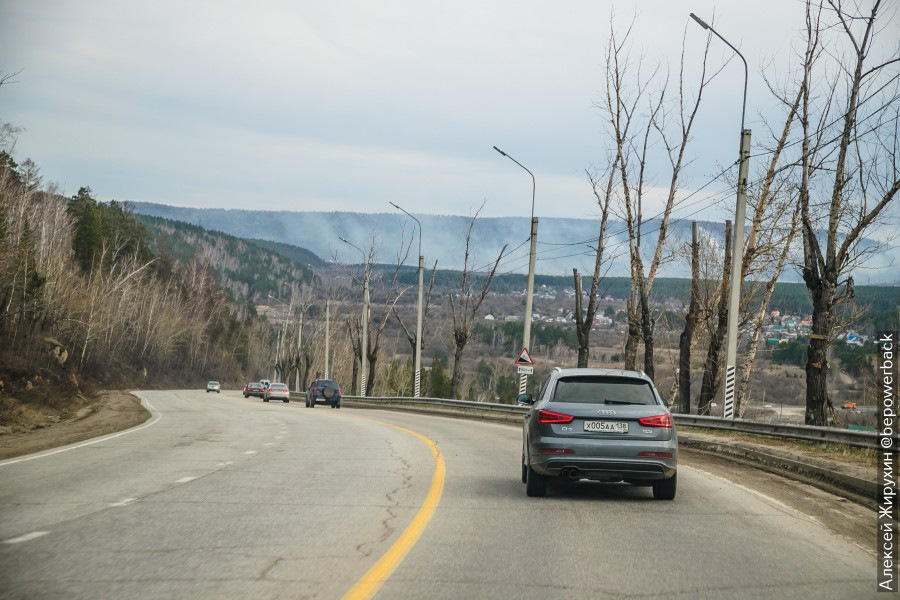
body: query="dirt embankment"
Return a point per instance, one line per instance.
(111, 412)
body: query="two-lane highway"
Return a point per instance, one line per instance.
(218, 496)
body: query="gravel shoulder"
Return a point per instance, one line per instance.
(113, 411)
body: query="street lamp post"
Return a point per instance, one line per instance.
(363, 342)
(737, 257)
(526, 335)
(417, 386)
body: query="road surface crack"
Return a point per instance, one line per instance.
(387, 527)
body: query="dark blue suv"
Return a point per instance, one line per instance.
(324, 391)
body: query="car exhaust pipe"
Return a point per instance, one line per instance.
(571, 473)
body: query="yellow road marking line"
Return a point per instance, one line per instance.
(369, 584)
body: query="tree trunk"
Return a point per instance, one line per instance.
(456, 378)
(373, 362)
(817, 400)
(712, 372)
(354, 343)
(633, 333)
(690, 323)
(647, 330)
(581, 330)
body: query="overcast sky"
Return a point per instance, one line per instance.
(340, 105)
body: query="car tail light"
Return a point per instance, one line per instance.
(557, 451)
(656, 454)
(546, 416)
(656, 421)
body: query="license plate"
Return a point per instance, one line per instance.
(606, 426)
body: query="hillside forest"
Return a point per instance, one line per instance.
(85, 303)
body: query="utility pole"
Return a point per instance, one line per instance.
(529, 292)
(364, 342)
(737, 256)
(417, 385)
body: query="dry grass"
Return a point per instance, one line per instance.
(863, 457)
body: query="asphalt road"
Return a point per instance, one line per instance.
(218, 496)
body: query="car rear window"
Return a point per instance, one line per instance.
(278, 386)
(600, 390)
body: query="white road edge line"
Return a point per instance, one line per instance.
(185, 479)
(26, 538)
(156, 417)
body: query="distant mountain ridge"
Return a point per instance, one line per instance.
(249, 269)
(563, 244)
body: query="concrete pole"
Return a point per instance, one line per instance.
(418, 353)
(364, 342)
(327, 336)
(418, 362)
(529, 294)
(737, 256)
(734, 291)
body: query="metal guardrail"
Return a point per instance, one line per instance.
(832, 435)
(858, 439)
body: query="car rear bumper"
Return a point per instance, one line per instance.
(617, 463)
(606, 470)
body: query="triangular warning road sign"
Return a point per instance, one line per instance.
(524, 358)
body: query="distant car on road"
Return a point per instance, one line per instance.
(599, 424)
(265, 383)
(213, 386)
(254, 388)
(324, 391)
(277, 391)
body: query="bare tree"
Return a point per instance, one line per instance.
(392, 294)
(768, 243)
(848, 178)
(389, 291)
(584, 320)
(464, 305)
(712, 368)
(632, 159)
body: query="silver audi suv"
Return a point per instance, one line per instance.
(599, 424)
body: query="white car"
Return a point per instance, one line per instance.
(213, 386)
